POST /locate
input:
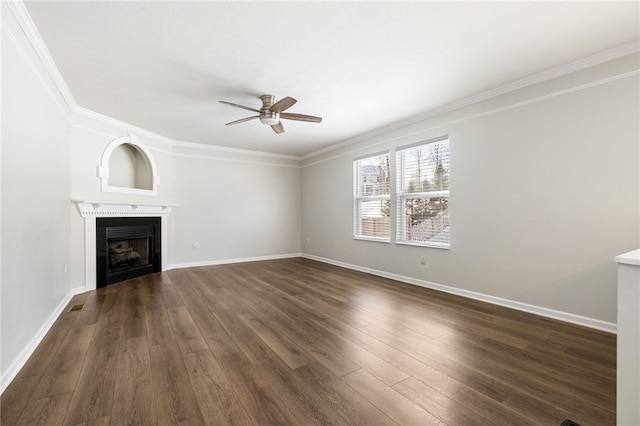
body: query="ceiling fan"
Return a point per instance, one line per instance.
(272, 111)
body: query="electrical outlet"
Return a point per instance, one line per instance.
(423, 262)
(308, 240)
(195, 246)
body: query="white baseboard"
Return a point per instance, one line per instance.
(228, 261)
(22, 359)
(537, 310)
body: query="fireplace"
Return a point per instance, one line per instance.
(127, 247)
(92, 211)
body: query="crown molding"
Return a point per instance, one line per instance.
(419, 135)
(220, 148)
(105, 119)
(84, 112)
(29, 29)
(32, 34)
(562, 70)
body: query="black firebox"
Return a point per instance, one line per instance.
(127, 247)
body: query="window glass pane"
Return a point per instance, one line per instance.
(374, 218)
(426, 168)
(373, 175)
(427, 220)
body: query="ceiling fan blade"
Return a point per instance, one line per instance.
(301, 117)
(283, 104)
(278, 128)
(242, 120)
(239, 106)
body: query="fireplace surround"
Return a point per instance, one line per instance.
(90, 211)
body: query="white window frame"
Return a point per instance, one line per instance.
(359, 198)
(401, 197)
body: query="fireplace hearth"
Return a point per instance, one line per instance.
(127, 247)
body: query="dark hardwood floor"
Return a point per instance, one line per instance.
(300, 342)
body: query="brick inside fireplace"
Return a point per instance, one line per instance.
(127, 247)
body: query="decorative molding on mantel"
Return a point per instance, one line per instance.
(88, 208)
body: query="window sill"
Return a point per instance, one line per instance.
(441, 246)
(374, 239)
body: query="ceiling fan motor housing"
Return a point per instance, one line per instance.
(266, 115)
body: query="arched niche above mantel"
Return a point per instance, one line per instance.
(128, 167)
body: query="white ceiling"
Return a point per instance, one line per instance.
(163, 66)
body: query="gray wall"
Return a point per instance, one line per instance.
(545, 191)
(236, 207)
(35, 197)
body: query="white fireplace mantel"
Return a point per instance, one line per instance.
(90, 210)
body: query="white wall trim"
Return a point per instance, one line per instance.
(61, 104)
(168, 150)
(235, 160)
(23, 18)
(28, 27)
(22, 359)
(120, 124)
(26, 353)
(229, 261)
(84, 112)
(524, 307)
(562, 70)
(103, 169)
(584, 63)
(425, 130)
(220, 148)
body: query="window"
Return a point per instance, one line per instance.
(371, 198)
(423, 194)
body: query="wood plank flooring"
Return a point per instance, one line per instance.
(298, 342)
